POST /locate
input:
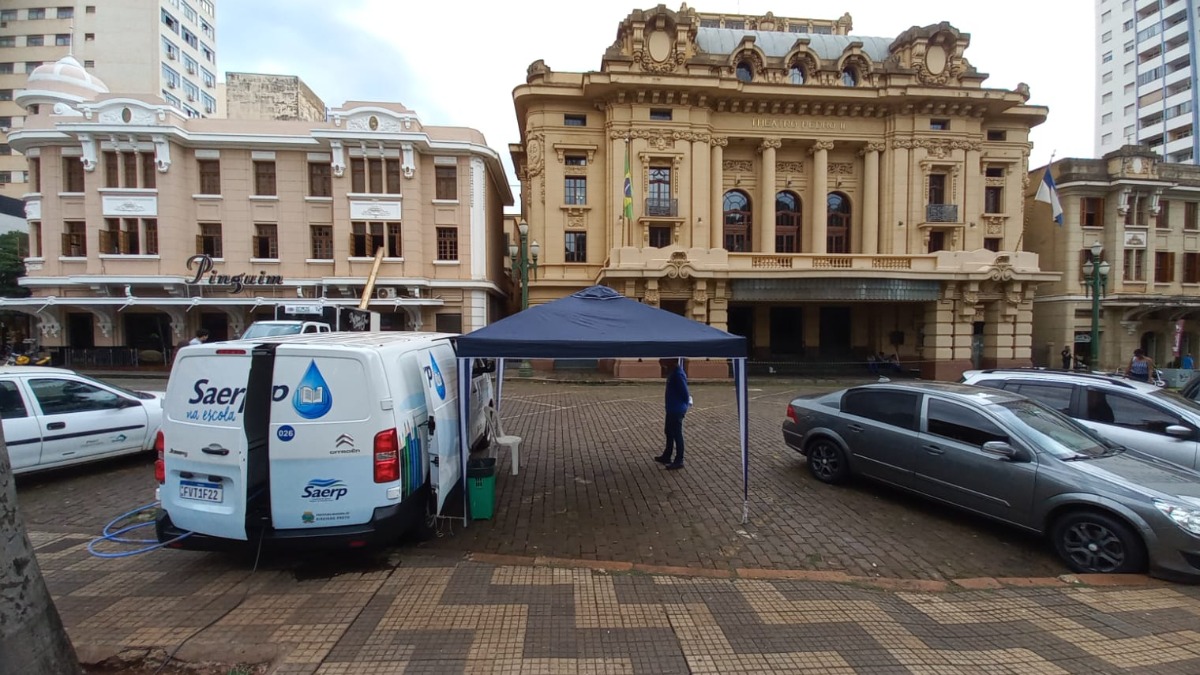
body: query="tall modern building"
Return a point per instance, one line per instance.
(1146, 68)
(165, 48)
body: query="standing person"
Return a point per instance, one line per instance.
(678, 400)
(1141, 367)
(201, 337)
(1188, 363)
(1066, 358)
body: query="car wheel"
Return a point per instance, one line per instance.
(1091, 542)
(826, 461)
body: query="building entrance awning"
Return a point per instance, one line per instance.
(836, 289)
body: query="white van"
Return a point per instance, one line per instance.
(343, 439)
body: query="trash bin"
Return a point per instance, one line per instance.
(481, 487)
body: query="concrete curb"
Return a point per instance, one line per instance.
(830, 576)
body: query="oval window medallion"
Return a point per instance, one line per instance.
(935, 59)
(373, 123)
(660, 45)
(126, 115)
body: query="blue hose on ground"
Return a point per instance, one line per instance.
(114, 536)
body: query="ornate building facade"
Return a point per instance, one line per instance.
(827, 195)
(1145, 214)
(146, 225)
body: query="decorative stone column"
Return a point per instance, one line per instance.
(717, 192)
(765, 233)
(870, 200)
(700, 225)
(818, 201)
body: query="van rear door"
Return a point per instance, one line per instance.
(325, 414)
(205, 448)
(439, 368)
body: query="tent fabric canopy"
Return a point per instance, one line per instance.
(596, 323)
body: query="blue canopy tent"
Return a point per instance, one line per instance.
(599, 323)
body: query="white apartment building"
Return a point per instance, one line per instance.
(1146, 72)
(164, 48)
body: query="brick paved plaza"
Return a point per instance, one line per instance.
(822, 579)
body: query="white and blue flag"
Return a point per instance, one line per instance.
(1047, 192)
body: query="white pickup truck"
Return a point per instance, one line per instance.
(261, 329)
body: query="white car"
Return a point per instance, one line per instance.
(55, 418)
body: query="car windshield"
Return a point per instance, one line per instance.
(1050, 431)
(259, 330)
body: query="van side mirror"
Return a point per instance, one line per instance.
(1003, 449)
(483, 366)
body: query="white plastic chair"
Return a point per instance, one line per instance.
(513, 443)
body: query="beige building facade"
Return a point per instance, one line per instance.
(146, 224)
(1145, 214)
(164, 48)
(827, 195)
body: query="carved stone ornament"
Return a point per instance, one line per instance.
(668, 64)
(576, 218)
(874, 146)
(719, 141)
(162, 153)
(841, 169)
(1001, 269)
(373, 122)
(677, 266)
(126, 115)
(337, 158)
(789, 167)
(575, 170)
(534, 157)
(408, 164)
(652, 296)
(661, 139)
(770, 143)
(737, 165)
(821, 145)
(994, 224)
(89, 152)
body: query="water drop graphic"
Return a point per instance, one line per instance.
(312, 398)
(438, 382)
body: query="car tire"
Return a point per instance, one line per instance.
(827, 461)
(1091, 542)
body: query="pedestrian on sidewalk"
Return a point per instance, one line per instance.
(678, 400)
(201, 337)
(1066, 358)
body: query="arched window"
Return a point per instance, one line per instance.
(738, 221)
(796, 74)
(745, 71)
(837, 233)
(849, 76)
(787, 222)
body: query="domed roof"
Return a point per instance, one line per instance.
(67, 76)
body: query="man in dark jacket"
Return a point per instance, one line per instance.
(678, 400)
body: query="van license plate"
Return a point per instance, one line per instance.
(203, 492)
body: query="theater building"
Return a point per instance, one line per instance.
(827, 195)
(146, 224)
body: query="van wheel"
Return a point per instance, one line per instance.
(426, 526)
(1097, 543)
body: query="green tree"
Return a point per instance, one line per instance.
(14, 246)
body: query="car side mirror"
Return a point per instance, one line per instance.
(1179, 431)
(1003, 449)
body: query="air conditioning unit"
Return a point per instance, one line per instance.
(171, 85)
(191, 69)
(171, 55)
(191, 97)
(385, 293)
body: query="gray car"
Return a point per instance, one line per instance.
(1007, 457)
(1137, 415)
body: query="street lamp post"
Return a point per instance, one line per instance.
(522, 264)
(1095, 277)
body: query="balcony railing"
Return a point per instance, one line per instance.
(941, 213)
(657, 207)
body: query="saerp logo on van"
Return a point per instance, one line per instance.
(436, 375)
(312, 398)
(324, 490)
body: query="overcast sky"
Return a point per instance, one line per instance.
(456, 62)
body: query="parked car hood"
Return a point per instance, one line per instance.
(1143, 473)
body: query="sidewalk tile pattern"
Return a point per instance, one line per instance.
(430, 614)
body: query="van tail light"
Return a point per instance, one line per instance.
(160, 467)
(387, 457)
(791, 414)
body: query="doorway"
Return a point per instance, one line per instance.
(835, 332)
(787, 331)
(217, 324)
(81, 332)
(674, 306)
